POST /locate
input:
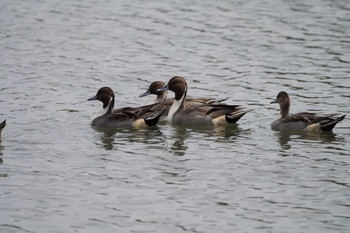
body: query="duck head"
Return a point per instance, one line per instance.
(284, 101)
(106, 96)
(178, 85)
(153, 90)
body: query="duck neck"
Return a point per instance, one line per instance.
(161, 97)
(285, 109)
(109, 108)
(177, 104)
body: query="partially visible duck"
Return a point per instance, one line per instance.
(2, 126)
(123, 117)
(162, 95)
(162, 100)
(183, 112)
(152, 90)
(303, 121)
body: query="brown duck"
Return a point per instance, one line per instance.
(123, 117)
(183, 111)
(304, 121)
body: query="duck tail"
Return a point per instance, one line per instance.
(3, 124)
(153, 120)
(329, 125)
(235, 116)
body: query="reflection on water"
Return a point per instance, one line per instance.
(112, 137)
(179, 135)
(284, 138)
(1, 154)
(107, 137)
(226, 132)
(216, 133)
(1, 159)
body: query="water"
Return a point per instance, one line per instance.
(58, 174)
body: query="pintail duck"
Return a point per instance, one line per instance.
(162, 95)
(303, 121)
(183, 112)
(2, 126)
(123, 117)
(163, 101)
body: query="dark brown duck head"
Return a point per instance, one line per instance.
(178, 85)
(153, 90)
(284, 101)
(106, 96)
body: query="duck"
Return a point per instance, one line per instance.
(182, 111)
(2, 126)
(143, 116)
(163, 100)
(303, 121)
(162, 95)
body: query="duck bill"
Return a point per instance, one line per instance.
(92, 98)
(166, 88)
(145, 94)
(273, 102)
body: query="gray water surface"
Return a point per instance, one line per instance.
(57, 174)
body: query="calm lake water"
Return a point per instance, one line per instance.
(57, 174)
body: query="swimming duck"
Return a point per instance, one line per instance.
(163, 101)
(2, 126)
(183, 112)
(162, 95)
(303, 121)
(123, 117)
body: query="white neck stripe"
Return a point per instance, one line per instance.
(175, 106)
(105, 110)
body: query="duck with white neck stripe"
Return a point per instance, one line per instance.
(163, 101)
(181, 112)
(138, 117)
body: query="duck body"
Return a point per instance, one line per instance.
(207, 114)
(303, 121)
(123, 117)
(183, 111)
(306, 121)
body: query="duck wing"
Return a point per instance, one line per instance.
(126, 113)
(205, 100)
(326, 122)
(150, 113)
(217, 110)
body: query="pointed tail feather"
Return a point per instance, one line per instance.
(235, 116)
(153, 120)
(3, 124)
(329, 125)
